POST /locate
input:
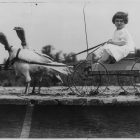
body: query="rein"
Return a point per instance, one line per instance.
(10, 63)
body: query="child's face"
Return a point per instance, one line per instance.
(119, 23)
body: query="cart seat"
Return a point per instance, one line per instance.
(129, 59)
(137, 53)
(124, 64)
(132, 54)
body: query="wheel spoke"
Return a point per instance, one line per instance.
(87, 77)
(124, 80)
(135, 76)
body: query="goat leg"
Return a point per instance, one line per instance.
(39, 85)
(33, 91)
(27, 88)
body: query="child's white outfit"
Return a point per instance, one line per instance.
(118, 52)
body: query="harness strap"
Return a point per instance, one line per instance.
(10, 63)
(17, 53)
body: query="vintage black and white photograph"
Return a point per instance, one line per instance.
(69, 69)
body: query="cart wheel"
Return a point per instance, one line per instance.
(124, 80)
(87, 77)
(135, 76)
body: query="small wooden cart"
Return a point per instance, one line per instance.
(93, 76)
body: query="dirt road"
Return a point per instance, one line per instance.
(64, 96)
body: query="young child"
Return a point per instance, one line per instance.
(119, 46)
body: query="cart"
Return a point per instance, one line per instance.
(93, 77)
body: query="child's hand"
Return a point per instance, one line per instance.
(121, 43)
(109, 41)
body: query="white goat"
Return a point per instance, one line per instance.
(29, 63)
(21, 34)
